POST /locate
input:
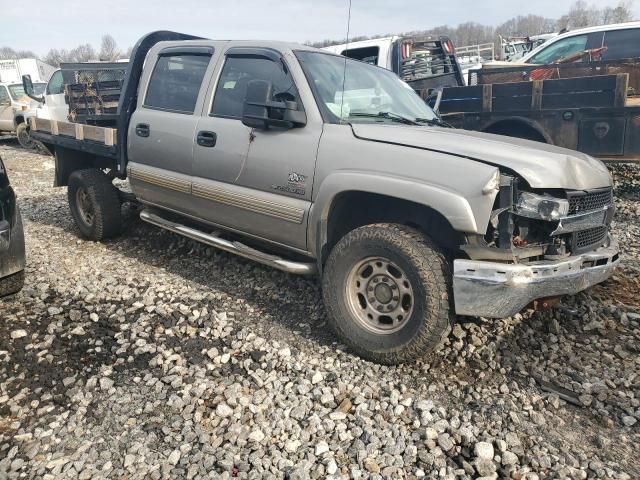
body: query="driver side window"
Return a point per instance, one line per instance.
(560, 49)
(238, 71)
(56, 84)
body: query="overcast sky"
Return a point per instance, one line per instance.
(39, 25)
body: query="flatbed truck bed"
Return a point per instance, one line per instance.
(593, 114)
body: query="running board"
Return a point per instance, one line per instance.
(237, 248)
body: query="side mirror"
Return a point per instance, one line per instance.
(259, 111)
(27, 84)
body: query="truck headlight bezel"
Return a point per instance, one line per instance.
(544, 207)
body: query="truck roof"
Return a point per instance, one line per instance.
(277, 45)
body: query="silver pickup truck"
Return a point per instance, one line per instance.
(313, 163)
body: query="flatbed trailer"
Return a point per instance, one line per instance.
(79, 145)
(592, 114)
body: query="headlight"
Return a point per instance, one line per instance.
(542, 206)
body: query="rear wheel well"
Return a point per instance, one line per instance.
(518, 129)
(19, 119)
(353, 209)
(68, 161)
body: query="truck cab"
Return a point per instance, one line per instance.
(47, 101)
(424, 62)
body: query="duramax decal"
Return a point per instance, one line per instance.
(296, 184)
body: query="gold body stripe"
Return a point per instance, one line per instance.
(250, 203)
(161, 180)
(220, 195)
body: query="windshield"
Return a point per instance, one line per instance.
(555, 52)
(370, 93)
(17, 90)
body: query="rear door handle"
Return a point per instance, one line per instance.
(143, 130)
(206, 139)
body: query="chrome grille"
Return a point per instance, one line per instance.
(587, 201)
(593, 237)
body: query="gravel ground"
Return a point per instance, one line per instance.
(152, 356)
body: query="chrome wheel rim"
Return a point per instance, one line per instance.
(379, 295)
(85, 207)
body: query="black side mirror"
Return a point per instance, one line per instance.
(259, 111)
(27, 84)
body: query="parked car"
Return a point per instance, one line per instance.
(604, 42)
(318, 164)
(12, 252)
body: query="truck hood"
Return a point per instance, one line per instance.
(541, 165)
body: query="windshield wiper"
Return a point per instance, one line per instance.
(438, 122)
(394, 117)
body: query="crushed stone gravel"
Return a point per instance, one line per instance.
(152, 356)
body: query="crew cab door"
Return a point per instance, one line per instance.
(256, 181)
(6, 112)
(162, 130)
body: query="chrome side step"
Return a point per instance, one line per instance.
(238, 248)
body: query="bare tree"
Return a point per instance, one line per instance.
(7, 53)
(581, 14)
(623, 12)
(83, 53)
(109, 49)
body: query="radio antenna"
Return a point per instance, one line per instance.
(346, 51)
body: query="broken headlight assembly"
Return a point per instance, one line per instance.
(521, 224)
(543, 207)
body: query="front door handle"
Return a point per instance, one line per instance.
(143, 130)
(206, 139)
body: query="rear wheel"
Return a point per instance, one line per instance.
(24, 138)
(95, 204)
(386, 289)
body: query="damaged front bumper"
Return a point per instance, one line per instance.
(499, 290)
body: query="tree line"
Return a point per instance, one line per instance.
(580, 14)
(109, 52)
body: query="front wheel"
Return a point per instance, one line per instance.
(95, 204)
(24, 138)
(386, 289)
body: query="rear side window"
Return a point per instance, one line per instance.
(238, 72)
(175, 82)
(365, 54)
(622, 44)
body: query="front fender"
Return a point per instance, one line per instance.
(453, 206)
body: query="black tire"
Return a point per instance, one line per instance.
(423, 265)
(24, 138)
(11, 284)
(98, 216)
